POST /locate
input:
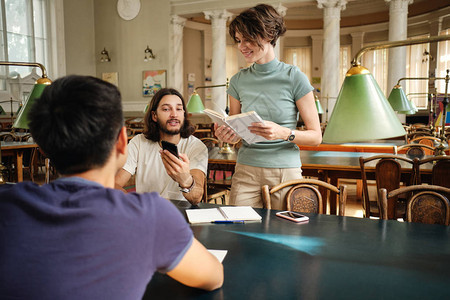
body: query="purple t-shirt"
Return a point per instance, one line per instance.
(75, 239)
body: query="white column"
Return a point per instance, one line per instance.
(218, 67)
(176, 73)
(398, 27)
(282, 11)
(331, 44)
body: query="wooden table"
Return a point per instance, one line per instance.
(17, 149)
(330, 257)
(377, 146)
(328, 166)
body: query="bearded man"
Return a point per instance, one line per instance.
(158, 170)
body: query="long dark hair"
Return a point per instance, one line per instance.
(261, 22)
(151, 128)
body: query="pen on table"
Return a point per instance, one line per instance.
(227, 222)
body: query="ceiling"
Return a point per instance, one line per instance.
(307, 15)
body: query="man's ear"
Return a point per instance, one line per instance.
(154, 118)
(122, 141)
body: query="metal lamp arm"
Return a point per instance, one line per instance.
(384, 45)
(420, 78)
(26, 64)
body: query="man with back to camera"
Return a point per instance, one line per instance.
(78, 237)
(157, 169)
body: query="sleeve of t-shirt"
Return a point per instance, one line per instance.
(198, 156)
(133, 154)
(302, 86)
(172, 236)
(232, 91)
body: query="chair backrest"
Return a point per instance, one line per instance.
(304, 196)
(7, 137)
(210, 142)
(440, 171)
(387, 175)
(428, 204)
(415, 150)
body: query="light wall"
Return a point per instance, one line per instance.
(79, 37)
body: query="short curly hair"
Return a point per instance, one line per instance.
(261, 22)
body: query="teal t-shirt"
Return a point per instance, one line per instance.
(271, 90)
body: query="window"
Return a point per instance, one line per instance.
(300, 57)
(24, 31)
(417, 67)
(345, 53)
(377, 63)
(443, 62)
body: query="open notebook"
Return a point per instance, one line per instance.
(229, 213)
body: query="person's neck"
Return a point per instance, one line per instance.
(174, 139)
(104, 175)
(267, 58)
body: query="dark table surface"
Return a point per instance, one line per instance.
(330, 257)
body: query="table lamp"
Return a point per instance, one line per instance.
(318, 105)
(22, 119)
(362, 112)
(195, 105)
(400, 102)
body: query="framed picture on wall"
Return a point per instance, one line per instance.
(111, 77)
(153, 81)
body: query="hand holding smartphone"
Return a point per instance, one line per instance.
(172, 148)
(293, 216)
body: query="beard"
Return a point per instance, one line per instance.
(163, 127)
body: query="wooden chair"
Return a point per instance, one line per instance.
(426, 140)
(304, 196)
(415, 150)
(440, 173)
(429, 204)
(204, 130)
(7, 137)
(388, 176)
(218, 183)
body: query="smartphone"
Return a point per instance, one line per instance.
(172, 148)
(293, 216)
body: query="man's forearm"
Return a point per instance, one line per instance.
(196, 193)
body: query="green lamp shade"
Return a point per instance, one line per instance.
(398, 100)
(2, 111)
(362, 112)
(412, 111)
(22, 119)
(195, 104)
(319, 107)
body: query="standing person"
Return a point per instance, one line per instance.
(78, 237)
(161, 171)
(277, 92)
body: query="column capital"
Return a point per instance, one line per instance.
(177, 20)
(332, 4)
(399, 5)
(359, 34)
(316, 37)
(281, 9)
(218, 15)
